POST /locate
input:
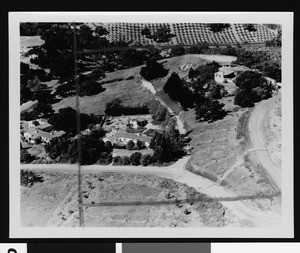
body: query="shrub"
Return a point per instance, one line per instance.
(146, 160)
(26, 157)
(130, 145)
(135, 158)
(126, 160)
(29, 178)
(117, 160)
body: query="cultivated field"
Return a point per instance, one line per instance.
(189, 33)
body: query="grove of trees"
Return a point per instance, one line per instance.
(252, 88)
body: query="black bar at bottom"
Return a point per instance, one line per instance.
(71, 248)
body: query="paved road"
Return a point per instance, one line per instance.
(259, 150)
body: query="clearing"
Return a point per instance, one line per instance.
(118, 200)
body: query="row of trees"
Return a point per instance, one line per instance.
(115, 108)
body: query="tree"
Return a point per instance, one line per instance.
(249, 80)
(108, 146)
(140, 145)
(24, 67)
(146, 160)
(130, 145)
(177, 51)
(26, 157)
(168, 146)
(210, 110)
(97, 74)
(250, 28)
(125, 160)
(163, 34)
(135, 158)
(153, 70)
(218, 27)
(117, 160)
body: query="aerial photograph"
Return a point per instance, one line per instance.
(150, 124)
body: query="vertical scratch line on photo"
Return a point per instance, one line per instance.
(80, 202)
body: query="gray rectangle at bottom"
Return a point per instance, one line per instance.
(166, 247)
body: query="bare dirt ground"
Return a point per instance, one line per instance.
(119, 200)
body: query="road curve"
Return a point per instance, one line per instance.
(178, 173)
(259, 149)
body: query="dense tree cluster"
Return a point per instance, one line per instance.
(115, 108)
(93, 148)
(87, 85)
(250, 27)
(210, 110)
(253, 87)
(218, 27)
(203, 74)
(168, 146)
(153, 70)
(26, 157)
(177, 51)
(65, 120)
(176, 88)
(138, 146)
(162, 34)
(276, 42)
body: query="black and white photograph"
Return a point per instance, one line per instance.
(151, 124)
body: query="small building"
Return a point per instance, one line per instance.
(123, 137)
(227, 74)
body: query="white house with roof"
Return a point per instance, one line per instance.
(123, 137)
(31, 135)
(227, 74)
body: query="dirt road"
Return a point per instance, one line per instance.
(178, 173)
(258, 149)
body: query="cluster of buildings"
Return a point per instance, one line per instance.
(37, 130)
(119, 134)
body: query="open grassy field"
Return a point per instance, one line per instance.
(53, 202)
(131, 92)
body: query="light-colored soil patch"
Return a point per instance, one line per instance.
(118, 200)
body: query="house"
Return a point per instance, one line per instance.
(123, 138)
(31, 135)
(227, 74)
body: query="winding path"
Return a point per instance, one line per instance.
(259, 150)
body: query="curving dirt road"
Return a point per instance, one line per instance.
(178, 173)
(259, 150)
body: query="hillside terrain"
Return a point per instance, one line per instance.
(221, 162)
(118, 200)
